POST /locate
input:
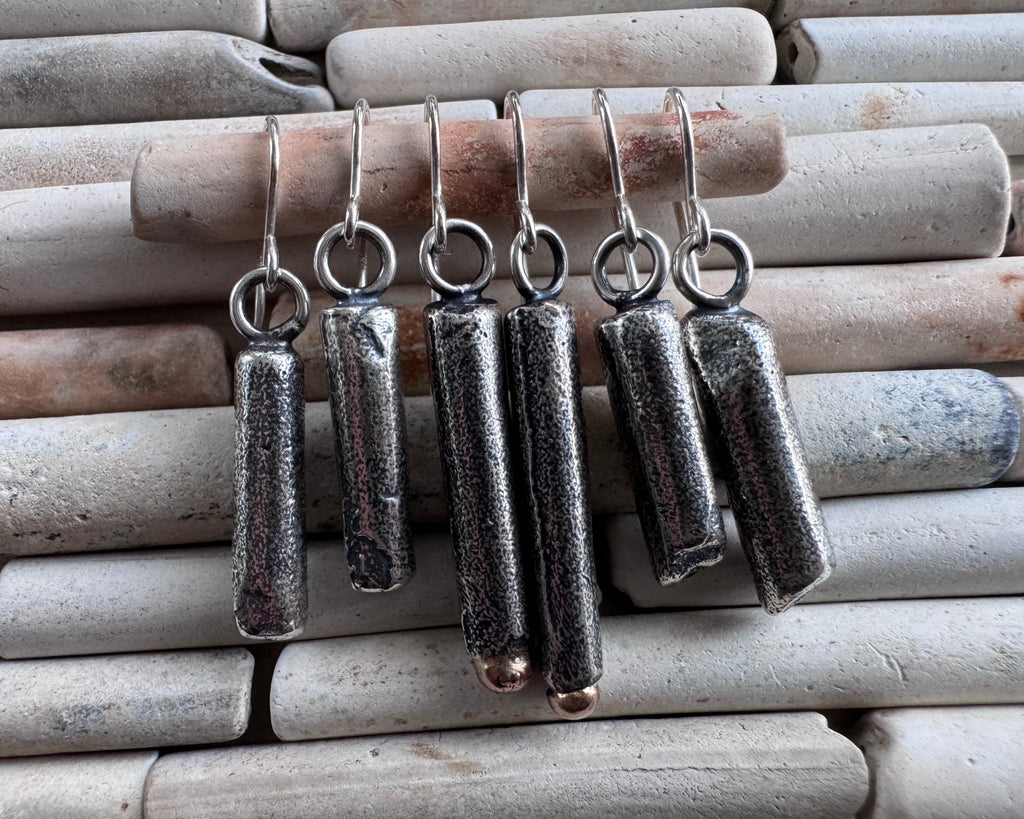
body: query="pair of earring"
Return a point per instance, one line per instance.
(360, 338)
(467, 347)
(652, 361)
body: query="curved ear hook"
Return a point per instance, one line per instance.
(360, 116)
(525, 241)
(269, 257)
(696, 229)
(514, 110)
(690, 215)
(440, 215)
(622, 210)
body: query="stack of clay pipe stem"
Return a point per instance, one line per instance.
(879, 182)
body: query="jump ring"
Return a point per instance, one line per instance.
(429, 247)
(286, 330)
(376, 237)
(654, 244)
(686, 273)
(521, 274)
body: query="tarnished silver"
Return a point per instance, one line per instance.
(360, 337)
(467, 370)
(656, 412)
(269, 542)
(746, 405)
(648, 378)
(545, 391)
(622, 212)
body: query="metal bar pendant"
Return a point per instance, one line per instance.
(360, 338)
(365, 391)
(269, 543)
(545, 387)
(656, 412)
(745, 400)
(467, 374)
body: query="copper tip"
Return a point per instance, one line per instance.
(503, 673)
(578, 704)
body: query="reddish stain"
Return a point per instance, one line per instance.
(1020, 310)
(426, 750)
(1007, 279)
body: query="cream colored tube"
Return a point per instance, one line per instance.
(834, 655)
(486, 59)
(926, 48)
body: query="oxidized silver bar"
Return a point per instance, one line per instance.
(365, 391)
(468, 380)
(544, 374)
(656, 412)
(269, 542)
(746, 404)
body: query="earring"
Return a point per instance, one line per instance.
(648, 380)
(746, 403)
(360, 337)
(467, 373)
(269, 542)
(546, 401)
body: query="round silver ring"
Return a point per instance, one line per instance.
(654, 244)
(521, 274)
(428, 264)
(686, 273)
(375, 236)
(286, 330)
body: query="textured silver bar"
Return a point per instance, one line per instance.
(545, 386)
(656, 412)
(468, 380)
(269, 541)
(746, 404)
(365, 390)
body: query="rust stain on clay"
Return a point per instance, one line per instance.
(427, 750)
(875, 112)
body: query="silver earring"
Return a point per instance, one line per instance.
(746, 403)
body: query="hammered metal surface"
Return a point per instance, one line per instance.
(365, 391)
(656, 413)
(746, 403)
(545, 384)
(464, 342)
(269, 541)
